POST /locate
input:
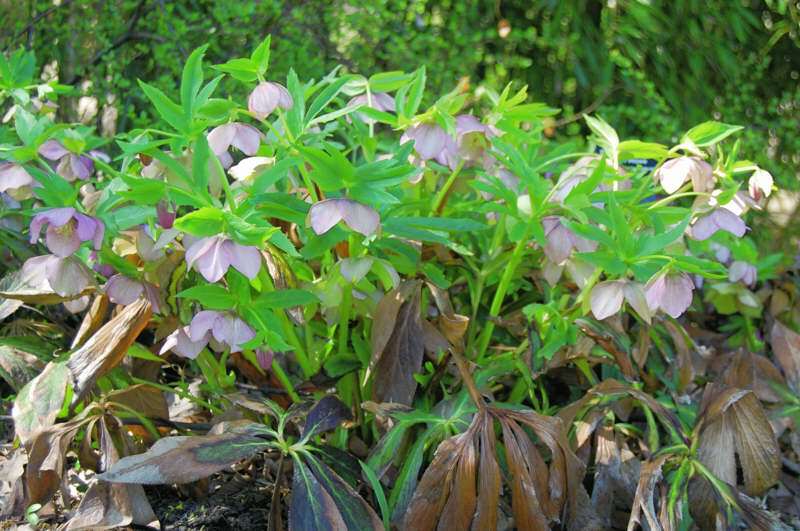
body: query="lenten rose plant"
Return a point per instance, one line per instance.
(479, 311)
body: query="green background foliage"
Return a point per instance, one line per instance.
(634, 62)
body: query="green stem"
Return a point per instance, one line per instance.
(284, 380)
(438, 202)
(502, 288)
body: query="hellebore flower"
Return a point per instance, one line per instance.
(561, 241)
(268, 96)
(429, 140)
(15, 181)
(166, 218)
(243, 137)
(672, 293)
(324, 215)
(674, 172)
(742, 271)
(472, 138)
(607, 297)
(249, 167)
(66, 229)
(68, 277)
(760, 184)
(71, 166)
(719, 219)
(123, 291)
(221, 329)
(212, 257)
(380, 101)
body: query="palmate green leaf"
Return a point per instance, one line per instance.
(212, 296)
(171, 112)
(260, 56)
(245, 70)
(415, 92)
(206, 221)
(708, 133)
(389, 81)
(285, 298)
(648, 244)
(325, 97)
(55, 190)
(192, 80)
(332, 171)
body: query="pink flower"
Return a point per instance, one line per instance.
(719, 219)
(15, 181)
(561, 241)
(607, 298)
(212, 257)
(166, 216)
(221, 329)
(68, 277)
(429, 140)
(71, 166)
(123, 291)
(744, 272)
(66, 229)
(243, 137)
(674, 172)
(760, 184)
(324, 215)
(267, 97)
(671, 293)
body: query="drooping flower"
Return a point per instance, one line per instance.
(472, 138)
(429, 139)
(166, 217)
(123, 290)
(220, 329)
(674, 172)
(671, 293)
(744, 272)
(66, 229)
(268, 96)
(324, 215)
(71, 166)
(212, 257)
(243, 137)
(607, 298)
(380, 101)
(561, 241)
(760, 184)
(68, 277)
(719, 219)
(15, 181)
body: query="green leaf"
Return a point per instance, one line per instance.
(192, 80)
(170, 111)
(260, 56)
(636, 149)
(649, 244)
(212, 296)
(708, 133)
(415, 93)
(200, 160)
(377, 490)
(606, 137)
(206, 221)
(245, 70)
(325, 97)
(388, 81)
(285, 298)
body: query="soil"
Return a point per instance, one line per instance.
(235, 504)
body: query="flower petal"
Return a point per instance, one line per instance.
(202, 323)
(634, 295)
(68, 276)
(221, 137)
(181, 344)
(358, 217)
(123, 290)
(324, 215)
(677, 294)
(606, 299)
(245, 258)
(13, 176)
(52, 150)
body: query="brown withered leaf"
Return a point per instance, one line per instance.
(283, 278)
(732, 422)
(93, 319)
(39, 401)
(397, 357)
(644, 500)
(433, 339)
(746, 370)
(460, 489)
(785, 344)
(186, 459)
(46, 454)
(107, 347)
(616, 475)
(142, 398)
(681, 341)
(108, 505)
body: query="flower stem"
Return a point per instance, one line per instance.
(441, 196)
